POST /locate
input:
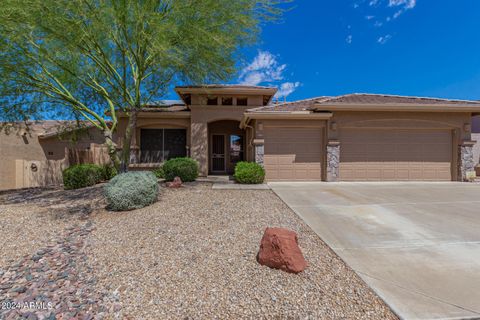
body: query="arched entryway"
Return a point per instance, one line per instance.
(226, 145)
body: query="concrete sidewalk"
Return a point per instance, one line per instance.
(416, 244)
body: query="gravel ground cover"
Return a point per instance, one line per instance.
(192, 255)
(31, 218)
(56, 282)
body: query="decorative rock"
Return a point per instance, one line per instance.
(279, 249)
(176, 183)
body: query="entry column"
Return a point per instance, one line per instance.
(199, 146)
(333, 160)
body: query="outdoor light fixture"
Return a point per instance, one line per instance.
(333, 126)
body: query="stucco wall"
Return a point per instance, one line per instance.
(16, 146)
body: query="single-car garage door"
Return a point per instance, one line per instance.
(293, 153)
(395, 154)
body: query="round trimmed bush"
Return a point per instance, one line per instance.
(131, 190)
(158, 172)
(185, 168)
(109, 171)
(249, 173)
(82, 175)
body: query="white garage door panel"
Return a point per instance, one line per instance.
(293, 153)
(395, 154)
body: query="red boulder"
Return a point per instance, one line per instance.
(279, 249)
(176, 183)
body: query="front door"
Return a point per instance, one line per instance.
(218, 153)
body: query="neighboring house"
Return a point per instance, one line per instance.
(357, 137)
(35, 154)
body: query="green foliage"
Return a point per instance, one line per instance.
(92, 58)
(82, 175)
(131, 190)
(109, 171)
(249, 173)
(185, 168)
(159, 173)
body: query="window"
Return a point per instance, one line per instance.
(227, 101)
(242, 101)
(50, 153)
(212, 101)
(236, 148)
(158, 145)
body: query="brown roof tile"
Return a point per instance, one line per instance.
(365, 98)
(360, 99)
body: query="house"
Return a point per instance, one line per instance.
(355, 137)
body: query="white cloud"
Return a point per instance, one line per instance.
(349, 39)
(265, 69)
(286, 89)
(405, 4)
(378, 24)
(369, 17)
(384, 39)
(373, 3)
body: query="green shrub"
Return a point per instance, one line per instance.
(109, 171)
(159, 173)
(131, 190)
(82, 175)
(185, 168)
(249, 173)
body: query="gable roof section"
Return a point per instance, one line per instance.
(367, 98)
(373, 102)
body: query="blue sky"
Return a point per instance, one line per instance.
(406, 47)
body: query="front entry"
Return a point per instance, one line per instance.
(226, 146)
(218, 153)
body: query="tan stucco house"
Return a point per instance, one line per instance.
(355, 137)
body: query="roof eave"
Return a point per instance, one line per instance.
(280, 115)
(401, 107)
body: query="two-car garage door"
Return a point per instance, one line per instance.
(395, 154)
(366, 154)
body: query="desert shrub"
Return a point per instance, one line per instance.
(249, 173)
(131, 190)
(109, 171)
(82, 175)
(158, 172)
(185, 168)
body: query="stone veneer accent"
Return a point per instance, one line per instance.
(466, 161)
(259, 151)
(333, 161)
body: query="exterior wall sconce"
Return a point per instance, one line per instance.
(260, 126)
(467, 127)
(333, 126)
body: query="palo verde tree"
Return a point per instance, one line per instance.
(95, 58)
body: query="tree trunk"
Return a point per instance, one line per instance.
(112, 148)
(127, 141)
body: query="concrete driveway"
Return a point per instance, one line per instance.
(416, 244)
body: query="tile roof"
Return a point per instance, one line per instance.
(221, 86)
(165, 106)
(359, 99)
(299, 105)
(365, 98)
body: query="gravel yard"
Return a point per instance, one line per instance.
(191, 255)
